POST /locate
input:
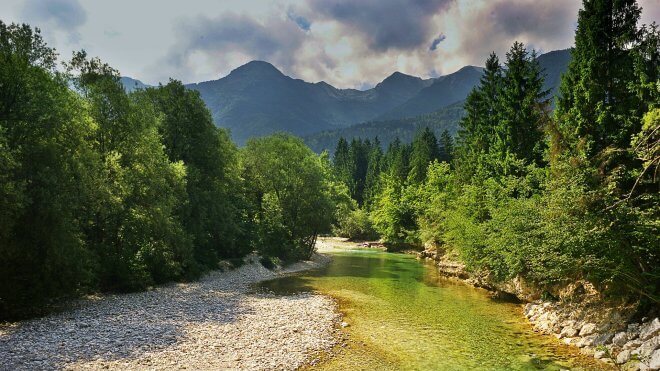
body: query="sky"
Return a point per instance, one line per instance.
(347, 43)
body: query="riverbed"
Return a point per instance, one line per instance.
(401, 314)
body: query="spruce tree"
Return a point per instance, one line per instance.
(424, 151)
(522, 107)
(596, 108)
(476, 134)
(342, 163)
(446, 147)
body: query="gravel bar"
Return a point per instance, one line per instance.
(218, 322)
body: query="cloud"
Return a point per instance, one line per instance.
(384, 24)
(437, 41)
(302, 22)
(547, 25)
(352, 43)
(225, 42)
(66, 15)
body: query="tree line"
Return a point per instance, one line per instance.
(527, 192)
(102, 190)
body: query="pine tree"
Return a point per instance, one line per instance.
(477, 129)
(522, 107)
(342, 163)
(358, 154)
(374, 167)
(424, 151)
(596, 108)
(446, 147)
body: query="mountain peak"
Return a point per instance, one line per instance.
(398, 81)
(399, 76)
(257, 67)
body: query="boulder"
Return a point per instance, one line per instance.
(620, 339)
(600, 354)
(586, 341)
(588, 329)
(632, 344)
(569, 332)
(654, 362)
(623, 357)
(650, 330)
(646, 349)
(603, 339)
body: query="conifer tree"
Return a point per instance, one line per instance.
(446, 147)
(596, 108)
(477, 129)
(424, 151)
(342, 163)
(522, 107)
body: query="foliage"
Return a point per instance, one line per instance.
(354, 224)
(106, 190)
(293, 194)
(548, 199)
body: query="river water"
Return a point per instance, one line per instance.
(403, 315)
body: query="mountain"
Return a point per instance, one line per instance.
(445, 117)
(257, 99)
(444, 91)
(405, 129)
(554, 64)
(132, 84)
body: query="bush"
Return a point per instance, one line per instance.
(355, 225)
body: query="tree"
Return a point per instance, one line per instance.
(359, 158)
(292, 192)
(522, 107)
(212, 215)
(342, 163)
(446, 147)
(596, 109)
(424, 151)
(374, 168)
(133, 228)
(45, 163)
(477, 129)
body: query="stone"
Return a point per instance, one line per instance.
(632, 344)
(603, 339)
(569, 332)
(600, 354)
(623, 357)
(620, 338)
(654, 362)
(586, 341)
(650, 330)
(588, 329)
(646, 349)
(344, 325)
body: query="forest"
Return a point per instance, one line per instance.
(107, 191)
(102, 190)
(525, 191)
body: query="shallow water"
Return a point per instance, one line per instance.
(403, 315)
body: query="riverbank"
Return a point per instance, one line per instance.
(607, 331)
(218, 322)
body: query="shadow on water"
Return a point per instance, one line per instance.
(404, 315)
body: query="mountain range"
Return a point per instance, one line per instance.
(257, 99)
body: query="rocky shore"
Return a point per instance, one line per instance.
(219, 322)
(579, 318)
(606, 333)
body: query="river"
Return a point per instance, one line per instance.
(402, 314)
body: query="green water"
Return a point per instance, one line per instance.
(403, 315)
